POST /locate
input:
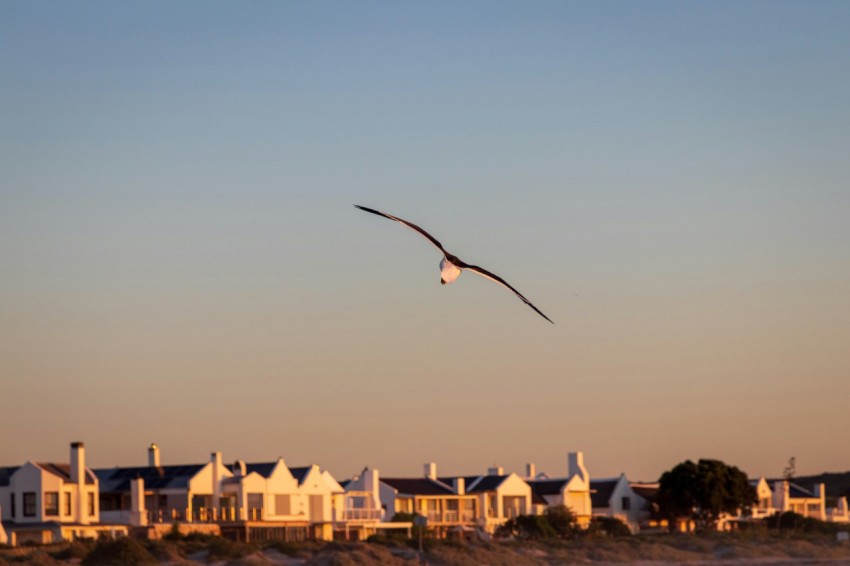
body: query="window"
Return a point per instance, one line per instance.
(255, 506)
(67, 503)
(51, 503)
(12, 506)
(627, 503)
(282, 505)
(91, 504)
(29, 504)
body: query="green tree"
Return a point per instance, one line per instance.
(703, 491)
(562, 520)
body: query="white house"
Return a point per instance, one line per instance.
(447, 508)
(245, 501)
(572, 491)
(501, 496)
(615, 498)
(360, 513)
(839, 513)
(50, 501)
(764, 496)
(788, 496)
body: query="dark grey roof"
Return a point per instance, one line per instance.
(485, 483)
(156, 477)
(265, 469)
(548, 487)
(795, 490)
(600, 492)
(417, 486)
(475, 484)
(63, 471)
(6, 474)
(300, 474)
(537, 499)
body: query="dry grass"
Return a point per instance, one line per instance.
(719, 549)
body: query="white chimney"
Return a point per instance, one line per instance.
(575, 466)
(215, 459)
(240, 469)
(153, 455)
(460, 486)
(530, 470)
(496, 471)
(431, 470)
(78, 477)
(78, 462)
(138, 515)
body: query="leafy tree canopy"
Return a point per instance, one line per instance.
(703, 491)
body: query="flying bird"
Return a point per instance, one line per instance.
(451, 265)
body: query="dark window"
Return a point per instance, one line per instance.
(627, 504)
(29, 504)
(67, 503)
(91, 504)
(51, 503)
(162, 502)
(12, 495)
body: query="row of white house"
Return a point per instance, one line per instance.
(44, 502)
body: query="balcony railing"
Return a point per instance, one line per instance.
(450, 516)
(361, 514)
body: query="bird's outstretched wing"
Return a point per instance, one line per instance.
(408, 224)
(493, 277)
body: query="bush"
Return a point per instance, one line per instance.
(562, 520)
(795, 522)
(78, 550)
(224, 549)
(609, 526)
(40, 558)
(124, 551)
(174, 533)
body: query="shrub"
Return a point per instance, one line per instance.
(175, 533)
(224, 549)
(78, 550)
(124, 551)
(609, 526)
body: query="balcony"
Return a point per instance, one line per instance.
(451, 516)
(355, 514)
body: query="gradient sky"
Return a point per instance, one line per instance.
(180, 261)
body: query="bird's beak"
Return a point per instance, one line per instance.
(442, 281)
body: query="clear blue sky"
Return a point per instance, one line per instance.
(181, 262)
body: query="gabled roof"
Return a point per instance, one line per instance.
(647, 491)
(300, 474)
(265, 469)
(799, 491)
(6, 474)
(548, 487)
(537, 499)
(601, 491)
(475, 484)
(63, 471)
(794, 489)
(156, 477)
(417, 486)
(486, 483)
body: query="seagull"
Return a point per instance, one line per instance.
(451, 265)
